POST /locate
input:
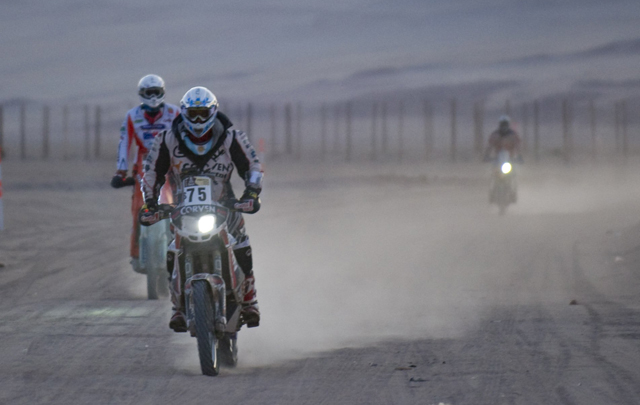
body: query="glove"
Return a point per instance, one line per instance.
(117, 181)
(249, 203)
(149, 213)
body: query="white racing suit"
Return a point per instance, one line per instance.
(140, 128)
(170, 156)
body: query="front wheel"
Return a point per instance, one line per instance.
(204, 319)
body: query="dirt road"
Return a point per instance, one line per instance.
(378, 285)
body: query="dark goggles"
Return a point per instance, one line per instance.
(200, 114)
(151, 92)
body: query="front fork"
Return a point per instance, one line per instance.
(216, 284)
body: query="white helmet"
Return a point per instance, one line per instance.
(198, 108)
(151, 91)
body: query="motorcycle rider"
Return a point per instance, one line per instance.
(504, 138)
(201, 138)
(140, 126)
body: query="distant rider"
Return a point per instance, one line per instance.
(141, 125)
(504, 138)
(201, 139)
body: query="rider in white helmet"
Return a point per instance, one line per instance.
(141, 125)
(201, 138)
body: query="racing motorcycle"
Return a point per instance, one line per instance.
(503, 189)
(153, 242)
(202, 256)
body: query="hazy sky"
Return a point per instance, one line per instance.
(88, 51)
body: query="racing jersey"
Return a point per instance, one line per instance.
(170, 155)
(140, 128)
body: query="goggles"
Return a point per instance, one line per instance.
(199, 114)
(151, 92)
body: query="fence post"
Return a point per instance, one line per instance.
(288, 129)
(45, 132)
(507, 108)
(1, 131)
(536, 131)
(374, 135)
(478, 118)
(87, 130)
(592, 124)
(299, 130)
(97, 131)
(249, 119)
(566, 131)
(336, 128)
(348, 132)
(65, 132)
(323, 129)
(400, 130)
(273, 128)
(454, 134)
(525, 127)
(428, 129)
(23, 131)
(385, 141)
(623, 124)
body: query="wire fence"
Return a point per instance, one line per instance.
(454, 130)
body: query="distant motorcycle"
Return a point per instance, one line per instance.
(503, 190)
(153, 242)
(212, 278)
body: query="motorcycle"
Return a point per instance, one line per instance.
(153, 242)
(503, 189)
(202, 255)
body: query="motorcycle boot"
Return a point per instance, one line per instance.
(178, 322)
(250, 311)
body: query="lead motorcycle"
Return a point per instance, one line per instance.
(202, 256)
(503, 190)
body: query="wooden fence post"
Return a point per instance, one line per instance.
(400, 130)
(592, 124)
(23, 131)
(323, 129)
(65, 132)
(348, 132)
(2, 153)
(525, 127)
(536, 131)
(566, 131)
(478, 126)
(87, 131)
(45, 132)
(249, 121)
(385, 141)
(288, 130)
(273, 129)
(428, 129)
(97, 132)
(623, 124)
(299, 130)
(454, 134)
(374, 135)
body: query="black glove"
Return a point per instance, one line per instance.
(117, 181)
(149, 213)
(249, 203)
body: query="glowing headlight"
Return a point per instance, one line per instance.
(206, 223)
(506, 167)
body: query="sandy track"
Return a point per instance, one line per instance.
(378, 285)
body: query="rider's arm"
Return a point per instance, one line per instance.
(246, 160)
(156, 166)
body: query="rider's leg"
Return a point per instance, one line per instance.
(178, 322)
(242, 252)
(136, 204)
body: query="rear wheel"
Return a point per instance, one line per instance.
(204, 319)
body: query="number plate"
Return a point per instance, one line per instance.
(198, 194)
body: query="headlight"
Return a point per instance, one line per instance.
(506, 167)
(206, 223)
